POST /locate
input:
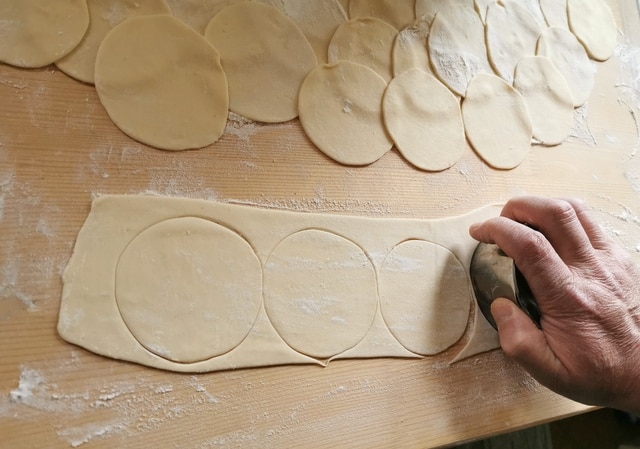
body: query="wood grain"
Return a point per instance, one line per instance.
(58, 149)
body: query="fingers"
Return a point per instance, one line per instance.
(557, 220)
(598, 238)
(524, 342)
(533, 254)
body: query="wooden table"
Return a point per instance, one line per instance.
(58, 150)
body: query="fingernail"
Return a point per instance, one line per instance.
(502, 311)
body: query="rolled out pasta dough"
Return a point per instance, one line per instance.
(35, 33)
(418, 283)
(548, 98)
(593, 24)
(423, 118)
(341, 112)
(104, 15)
(188, 289)
(265, 56)
(162, 83)
(320, 292)
(496, 121)
(457, 46)
(192, 285)
(571, 59)
(367, 41)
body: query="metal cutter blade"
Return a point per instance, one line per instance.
(495, 275)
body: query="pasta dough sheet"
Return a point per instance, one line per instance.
(193, 286)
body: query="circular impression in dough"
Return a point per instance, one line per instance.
(104, 15)
(457, 47)
(34, 33)
(423, 118)
(265, 56)
(410, 48)
(425, 296)
(496, 121)
(162, 83)
(188, 289)
(593, 24)
(511, 34)
(320, 292)
(341, 112)
(397, 13)
(548, 98)
(367, 41)
(571, 59)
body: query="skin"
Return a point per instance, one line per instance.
(588, 291)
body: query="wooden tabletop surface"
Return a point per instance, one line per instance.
(58, 150)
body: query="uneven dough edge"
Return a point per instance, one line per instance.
(89, 317)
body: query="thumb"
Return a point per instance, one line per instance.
(524, 342)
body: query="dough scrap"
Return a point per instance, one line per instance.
(320, 292)
(421, 273)
(367, 41)
(593, 24)
(162, 83)
(265, 57)
(555, 13)
(397, 13)
(496, 121)
(424, 120)
(35, 33)
(457, 47)
(410, 49)
(548, 98)
(341, 112)
(192, 239)
(188, 289)
(104, 15)
(318, 20)
(511, 34)
(571, 59)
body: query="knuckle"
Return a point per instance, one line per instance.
(562, 211)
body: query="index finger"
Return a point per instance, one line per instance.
(532, 253)
(557, 220)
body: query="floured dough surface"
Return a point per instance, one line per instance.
(511, 34)
(398, 13)
(36, 33)
(162, 83)
(496, 121)
(423, 118)
(457, 47)
(104, 15)
(427, 9)
(341, 112)
(555, 13)
(571, 59)
(320, 292)
(265, 57)
(188, 289)
(192, 285)
(548, 98)
(410, 48)
(593, 24)
(367, 41)
(422, 273)
(317, 19)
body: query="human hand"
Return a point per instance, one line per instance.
(588, 292)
